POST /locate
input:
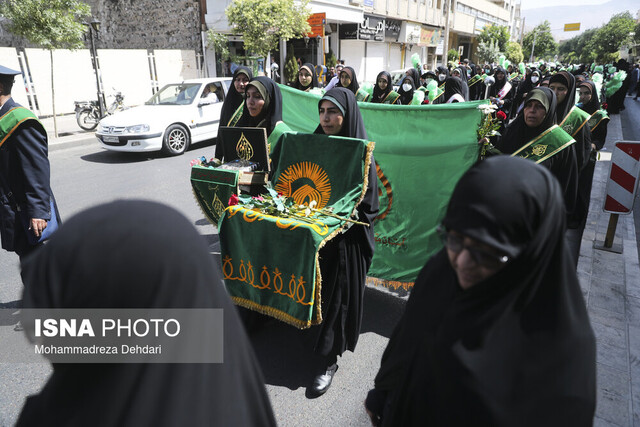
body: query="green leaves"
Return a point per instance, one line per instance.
(262, 23)
(495, 33)
(545, 45)
(51, 24)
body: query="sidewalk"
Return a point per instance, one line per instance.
(69, 133)
(611, 286)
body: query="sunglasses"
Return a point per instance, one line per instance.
(455, 243)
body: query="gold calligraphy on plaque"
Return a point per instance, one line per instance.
(244, 150)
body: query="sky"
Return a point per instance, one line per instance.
(531, 4)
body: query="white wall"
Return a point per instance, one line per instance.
(395, 55)
(375, 61)
(126, 70)
(352, 51)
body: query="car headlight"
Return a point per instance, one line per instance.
(137, 129)
(102, 128)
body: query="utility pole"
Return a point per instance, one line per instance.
(445, 45)
(533, 45)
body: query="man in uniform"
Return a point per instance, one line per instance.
(26, 200)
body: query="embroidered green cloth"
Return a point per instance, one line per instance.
(270, 264)
(12, 119)
(212, 189)
(574, 121)
(421, 152)
(547, 144)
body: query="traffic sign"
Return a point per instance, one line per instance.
(572, 27)
(623, 179)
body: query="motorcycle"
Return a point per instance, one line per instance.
(88, 112)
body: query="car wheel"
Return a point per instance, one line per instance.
(176, 140)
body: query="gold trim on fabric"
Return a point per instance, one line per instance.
(273, 312)
(533, 141)
(556, 151)
(579, 127)
(391, 284)
(206, 215)
(599, 121)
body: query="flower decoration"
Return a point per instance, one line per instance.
(275, 204)
(489, 125)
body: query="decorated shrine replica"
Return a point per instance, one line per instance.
(270, 243)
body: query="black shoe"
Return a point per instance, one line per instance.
(322, 382)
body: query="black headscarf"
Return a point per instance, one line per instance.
(233, 99)
(353, 86)
(440, 70)
(564, 165)
(378, 94)
(518, 133)
(139, 254)
(406, 96)
(463, 80)
(314, 77)
(271, 112)
(452, 86)
(594, 104)
(568, 80)
(415, 76)
(499, 84)
(514, 349)
(345, 100)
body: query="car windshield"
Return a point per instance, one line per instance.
(175, 94)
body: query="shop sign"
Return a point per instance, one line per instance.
(429, 36)
(371, 28)
(316, 22)
(392, 29)
(410, 33)
(348, 31)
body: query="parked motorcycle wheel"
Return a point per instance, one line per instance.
(87, 119)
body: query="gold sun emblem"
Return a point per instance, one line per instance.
(305, 182)
(539, 150)
(244, 150)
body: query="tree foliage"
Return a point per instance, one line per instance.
(488, 52)
(600, 44)
(545, 44)
(220, 44)
(499, 33)
(51, 24)
(614, 34)
(514, 53)
(453, 55)
(263, 23)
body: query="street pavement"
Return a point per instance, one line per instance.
(610, 283)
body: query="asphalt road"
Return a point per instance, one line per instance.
(84, 176)
(630, 119)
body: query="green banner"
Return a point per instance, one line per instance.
(546, 145)
(212, 189)
(421, 152)
(270, 263)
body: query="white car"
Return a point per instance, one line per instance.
(176, 116)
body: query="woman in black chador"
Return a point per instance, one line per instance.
(495, 332)
(344, 260)
(307, 78)
(537, 116)
(263, 104)
(136, 255)
(232, 107)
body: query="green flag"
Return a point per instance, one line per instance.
(421, 152)
(270, 263)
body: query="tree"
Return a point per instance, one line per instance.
(545, 44)
(498, 33)
(453, 55)
(514, 53)
(488, 52)
(263, 23)
(614, 34)
(51, 24)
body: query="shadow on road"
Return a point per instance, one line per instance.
(7, 312)
(286, 354)
(113, 157)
